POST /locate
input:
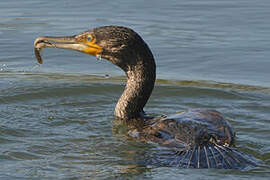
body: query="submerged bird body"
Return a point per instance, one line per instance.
(199, 138)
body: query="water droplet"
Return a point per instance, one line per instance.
(3, 67)
(50, 117)
(35, 66)
(98, 56)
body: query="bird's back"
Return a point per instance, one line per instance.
(198, 138)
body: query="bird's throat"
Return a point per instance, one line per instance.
(140, 83)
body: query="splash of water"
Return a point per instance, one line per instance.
(35, 66)
(3, 67)
(98, 56)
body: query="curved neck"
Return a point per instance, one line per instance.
(140, 83)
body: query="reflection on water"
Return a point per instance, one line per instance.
(62, 125)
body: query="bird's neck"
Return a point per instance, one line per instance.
(140, 83)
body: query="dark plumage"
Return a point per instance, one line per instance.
(200, 138)
(126, 49)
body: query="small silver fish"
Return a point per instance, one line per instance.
(38, 55)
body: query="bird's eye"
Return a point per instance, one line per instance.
(89, 38)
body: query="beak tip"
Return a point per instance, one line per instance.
(38, 40)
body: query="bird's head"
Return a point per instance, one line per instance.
(120, 45)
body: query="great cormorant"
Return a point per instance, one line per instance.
(201, 138)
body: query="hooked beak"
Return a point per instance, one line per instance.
(67, 42)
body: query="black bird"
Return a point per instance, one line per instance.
(201, 138)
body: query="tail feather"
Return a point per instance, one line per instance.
(184, 159)
(208, 156)
(190, 159)
(225, 158)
